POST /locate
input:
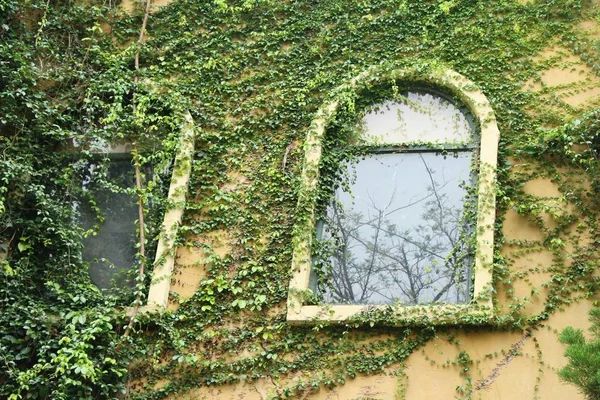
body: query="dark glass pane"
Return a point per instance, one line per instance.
(416, 117)
(111, 252)
(398, 234)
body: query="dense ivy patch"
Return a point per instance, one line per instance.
(252, 74)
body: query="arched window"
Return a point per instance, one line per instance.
(399, 230)
(409, 231)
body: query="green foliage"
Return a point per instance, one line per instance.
(583, 369)
(63, 81)
(252, 73)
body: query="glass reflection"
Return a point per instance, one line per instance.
(421, 117)
(111, 251)
(398, 234)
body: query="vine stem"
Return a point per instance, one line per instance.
(140, 42)
(42, 23)
(142, 252)
(138, 184)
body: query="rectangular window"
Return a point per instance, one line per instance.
(110, 210)
(399, 233)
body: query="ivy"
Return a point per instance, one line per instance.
(252, 74)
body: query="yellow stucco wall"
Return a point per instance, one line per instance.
(506, 365)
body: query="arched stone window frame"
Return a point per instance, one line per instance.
(480, 309)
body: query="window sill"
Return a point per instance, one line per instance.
(430, 315)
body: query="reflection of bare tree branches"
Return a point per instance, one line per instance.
(372, 260)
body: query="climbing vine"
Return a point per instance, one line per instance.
(252, 74)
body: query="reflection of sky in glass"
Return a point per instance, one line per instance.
(416, 117)
(398, 231)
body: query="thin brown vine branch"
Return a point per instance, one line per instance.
(514, 350)
(138, 184)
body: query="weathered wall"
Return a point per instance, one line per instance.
(506, 365)
(480, 363)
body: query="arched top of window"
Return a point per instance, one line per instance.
(416, 116)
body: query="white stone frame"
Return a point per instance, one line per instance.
(480, 309)
(160, 285)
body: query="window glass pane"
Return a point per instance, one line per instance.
(111, 252)
(398, 234)
(418, 116)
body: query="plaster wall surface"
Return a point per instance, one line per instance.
(432, 372)
(504, 364)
